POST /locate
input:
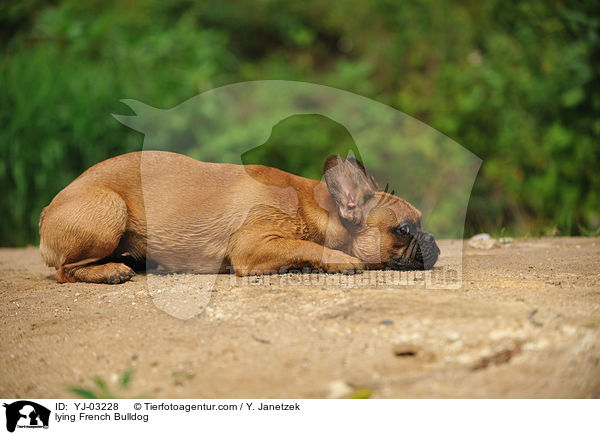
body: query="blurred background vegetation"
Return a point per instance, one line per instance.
(517, 83)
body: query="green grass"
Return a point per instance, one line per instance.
(101, 389)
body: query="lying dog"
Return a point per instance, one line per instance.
(201, 217)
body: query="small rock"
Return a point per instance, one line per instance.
(339, 389)
(466, 359)
(536, 345)
(452, 335)
(498, 334)
(387, 322)
(483, 241)
(568, 330)
(498, 358)
(406, 350)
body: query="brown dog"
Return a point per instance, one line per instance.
(201, 217)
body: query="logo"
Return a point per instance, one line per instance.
(26, 414)
(239, 123)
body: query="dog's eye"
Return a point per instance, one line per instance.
(403, 230)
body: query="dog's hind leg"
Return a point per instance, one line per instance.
(109, 273)
(79, 230)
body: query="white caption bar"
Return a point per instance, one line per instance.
(300, 416)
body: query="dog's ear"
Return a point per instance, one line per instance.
(368, 176)
(350, 185)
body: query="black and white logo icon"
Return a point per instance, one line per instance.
(26, 414)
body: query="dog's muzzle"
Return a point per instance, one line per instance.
(428, 251)
(422, 253)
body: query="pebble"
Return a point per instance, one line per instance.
(568, 330)
(498, 334)
(452, 335)
(465, 359)
(406, 349)
(387, 322)
(536, 345)
(339, 389)
(483, 241)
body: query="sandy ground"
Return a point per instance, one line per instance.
(526, 323)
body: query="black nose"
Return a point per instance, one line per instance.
(428, 238)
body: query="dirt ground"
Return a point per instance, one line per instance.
(526, 323)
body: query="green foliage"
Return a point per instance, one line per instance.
(101, 390)
(517, 83)
(361, 393)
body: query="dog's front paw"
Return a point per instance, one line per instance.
(336, 261)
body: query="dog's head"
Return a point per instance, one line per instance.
(386, 230)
